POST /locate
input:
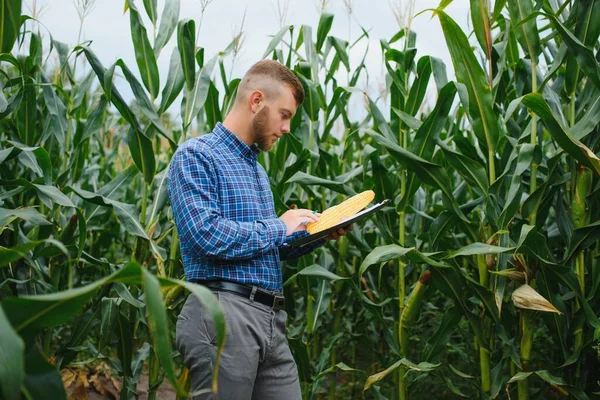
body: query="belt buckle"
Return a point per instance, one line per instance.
(278, 303)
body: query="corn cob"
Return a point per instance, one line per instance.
(345, 209)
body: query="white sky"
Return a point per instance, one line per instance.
(108, 28)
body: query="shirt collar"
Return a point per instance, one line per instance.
(235, 144)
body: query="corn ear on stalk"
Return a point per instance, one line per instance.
(345, 209)
(410, 314)
(583, 186)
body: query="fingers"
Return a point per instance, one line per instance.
(344, 230)
(308, 216)
(340, 232)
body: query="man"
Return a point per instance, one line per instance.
(232, 242)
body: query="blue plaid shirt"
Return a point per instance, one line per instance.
(225, 215)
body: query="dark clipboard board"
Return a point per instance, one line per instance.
(356, 217)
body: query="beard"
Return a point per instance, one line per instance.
(259, 127)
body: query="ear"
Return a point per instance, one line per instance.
(257, 98)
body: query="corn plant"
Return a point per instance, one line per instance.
(481, 280)
(84, 255)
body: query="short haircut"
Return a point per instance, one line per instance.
(258, 75)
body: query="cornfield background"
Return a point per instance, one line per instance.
(481, 281)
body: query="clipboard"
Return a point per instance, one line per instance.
(344, 223)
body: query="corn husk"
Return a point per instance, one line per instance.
(512, 274)
(526, 297)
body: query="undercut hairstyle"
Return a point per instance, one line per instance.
(261, 75)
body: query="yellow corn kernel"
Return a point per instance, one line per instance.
(334, 215)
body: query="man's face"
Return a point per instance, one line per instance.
(274, 119)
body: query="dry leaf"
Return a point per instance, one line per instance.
(79, 392)
(116, 383)
(83, 378)
(526, 297)
(68, 377)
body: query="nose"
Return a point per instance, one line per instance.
(285, 128)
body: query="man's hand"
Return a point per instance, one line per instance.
(296, 220)
(340, 232)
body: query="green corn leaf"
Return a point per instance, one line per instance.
(125, 344)
(527, 154)
(211, 304)
(421, 367)
(11, 359)
(317, 272)
(30, 314)
(419, 86)
(195, 99)
(470, 73)
(325, 22)
(587, 31)
(211, 106)
(31, 215)
(150, 6)
(127, 214)
(430, 173)
(471, 170)
(276, 40)
(157, 322)
(380, 122)
(423, 144)
(27, 115)
(584, 55)
(312, 101)
(175, 82)
(46, 192)
(303, 178)
(105, 78)
(574, 147)
(10, 20)
(436, 343)
(94, 123)
(144, 55)
(186, 31)
(341, 367)
(14, 253)
(168, 23)
(583, 238)
(479, 248)
(480, 15)
(144, 103)
(527, 33)
(311, 53)
(142, 153)
(42, 379)
(588, 123)
(341, 48)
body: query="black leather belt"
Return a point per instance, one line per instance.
(276, 302)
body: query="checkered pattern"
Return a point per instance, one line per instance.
(225, 215)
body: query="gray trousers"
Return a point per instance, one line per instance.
(256, 362)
